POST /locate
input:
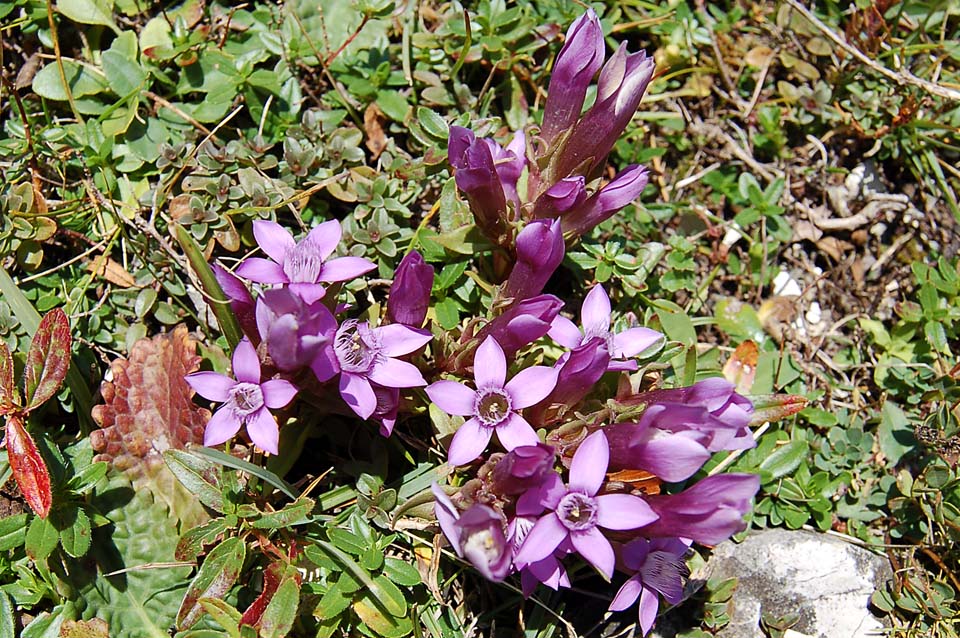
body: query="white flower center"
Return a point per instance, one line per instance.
(577, 511)
(356, 346)
(247, 398)
(302, 263)
(598, 330)
(492, 407)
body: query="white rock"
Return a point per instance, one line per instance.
(785, 285)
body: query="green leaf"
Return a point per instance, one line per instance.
(676, 324)
(76, 537)
(124, 73)
(239, 464)
(89, 12)
(7, 617)
(81, 79)
(224, 614)
(199, 475)
(192, 542)
(216, 576)
(785, 459)
(895, 433)
(401, 572)
(382, 597)
(281, 611)
(385, 625)
(333, 602)
(13, 531)
(448, 313)
(432, 123)
(297, 512)
(41, 539)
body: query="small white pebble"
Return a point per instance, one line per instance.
(814, 314)
(785, 285)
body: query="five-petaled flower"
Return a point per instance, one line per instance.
(595, 317)
(302, 265)
(577, 513)
(246, 400)
(493, 406)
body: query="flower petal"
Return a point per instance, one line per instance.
(222, 426)
(565, 332)
(623, 511)
(589, 465)
(531, 386)
(246, 363)
(452, 397)
(277, 393)
(325, 364)
(633, 341)
(358, 394)
(262, 271)
(490, 365)
(649, 603)
(345, 268)
(595, 311)
(468, 443)
(515, 432)
(325, 237)
(310, 293)
(397, 339)
(447, 515)
(264, 431)
(211, 385)
(594, 547)
(394, 373)
(627, 595)
(542, 540)
(273, 239)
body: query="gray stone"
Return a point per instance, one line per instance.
(823, 579)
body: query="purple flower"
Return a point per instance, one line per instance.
(709, 512)
(711, 409)
(540, 250)
(388, 404)
(493, 406)
(241, 301)
(577, 513)
(523, 323)
(293, 330)
(567, 194)
(579, 371)
(245, 400)
(476, 534)
(510, 162)
(595, 317)
(621, 85)
(362, 355)
(638, 446)
(410, 292)
(477, 176)
(548, 571)
(302, 265)
(658, 567)
(578, 61)
(521, 469)
(602, 205)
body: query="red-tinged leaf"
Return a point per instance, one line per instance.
(741, 368)
(48, 359)
(773, 407)
(216, 577)
(8, 390)
(271, 581)
(28, 467)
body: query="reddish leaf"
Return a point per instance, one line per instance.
(8, 391)
(741, 368)
(48, 359)
(773, 407)
(216, 576)
(28, 467)
(271, 581)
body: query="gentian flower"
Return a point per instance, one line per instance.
(477, 176)
(577, 513)
(302, 265)
(246, 400)
(548, 571)
(540, 250)
(522, 323)
(658, 567)
(388, 405)
(621, 85)
(639, 446)
(493, 406)
(510, 162)
(476, 534)
(410, 293)
(602, 205)
(709, 512)
(595, 317)
(578, 61)
(567, 194)
(578, 372)
(521, 469)
(361, 355)
(293, 330)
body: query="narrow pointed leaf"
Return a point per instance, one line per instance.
(220, 305)
(195, 474)
(385, 600)
(281, 611)
(28, 467)
(224, 613)
(239, 464)
(216, 576)
(48, 359)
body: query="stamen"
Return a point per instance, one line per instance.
(492, 407)
(578, 512)
(247, 398)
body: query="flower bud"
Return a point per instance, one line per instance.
(522, 323)
(540, 250)
(520, 469)
(293, 330)
(410, 293)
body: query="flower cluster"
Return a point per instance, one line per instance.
(293, 328)
(560, 453)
